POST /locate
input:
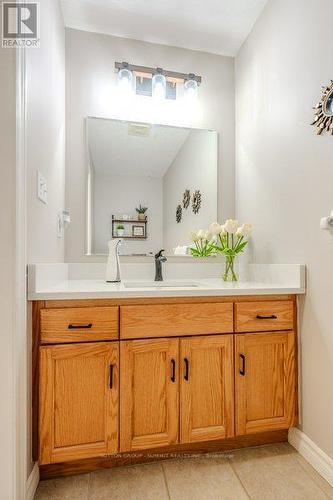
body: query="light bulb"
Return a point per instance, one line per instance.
(159, 86)
(125, 80)
(191, 88)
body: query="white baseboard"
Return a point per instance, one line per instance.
(316, 457)
(32, 483)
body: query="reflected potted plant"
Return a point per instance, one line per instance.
(120, 230)
(228, 239)
(203, 244)
(141, 212)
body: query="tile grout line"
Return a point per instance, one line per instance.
(239, 479)
(315, 482)
(89, 484)
(165, 481)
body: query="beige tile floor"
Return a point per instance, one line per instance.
(262, 473)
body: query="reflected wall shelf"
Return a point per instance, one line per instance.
(132, 222)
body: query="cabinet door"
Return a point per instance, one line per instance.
(207, 388)
(149, 408)
(78, 401)
(265, 381)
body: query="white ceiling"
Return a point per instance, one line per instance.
(115, 151)
(216, 26)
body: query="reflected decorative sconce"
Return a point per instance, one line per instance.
(156, 82)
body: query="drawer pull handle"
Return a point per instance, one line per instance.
(242, 369)
(187, 369)
(79, 327)
(111, 377)
(173, 373)
(272, 316)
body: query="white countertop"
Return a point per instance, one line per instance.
(56, 283)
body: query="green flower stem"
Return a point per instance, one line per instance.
(239, 241)
(229, 269)
(226, 271)
(230, 247)
(221, 241)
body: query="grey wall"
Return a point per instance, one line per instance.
(284, 176)
(91, 90)
(45, 150)
(7, 267)
(46, 134)
(195, 167)
(119, 195)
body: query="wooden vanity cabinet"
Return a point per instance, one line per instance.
(175, 320)
(174, 374)
(176, 391)
(262, 316)
(79, 387)
(264, 381)
(79, 324)
(149, 411)
(206, 388)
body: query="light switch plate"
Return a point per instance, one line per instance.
(41, 187)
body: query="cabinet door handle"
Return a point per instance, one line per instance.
(187, 369)
(242, 369)
(79, 327)
(272, 316)
(111, 377)
(173, 372)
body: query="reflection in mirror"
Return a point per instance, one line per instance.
(138, 176)
(328, 107)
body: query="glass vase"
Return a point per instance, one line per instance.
(229, 271)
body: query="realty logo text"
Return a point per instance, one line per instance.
(20, 26)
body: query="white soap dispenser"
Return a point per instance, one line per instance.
(113, 265)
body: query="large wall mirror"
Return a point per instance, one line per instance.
(138, 165)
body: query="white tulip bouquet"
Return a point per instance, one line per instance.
(228, 239)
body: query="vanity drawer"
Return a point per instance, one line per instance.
(80, 324)
(264, 316)
(175, 319)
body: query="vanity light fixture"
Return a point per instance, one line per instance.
(125, 78)
(156, 82)
(191, 86)
(159, 84)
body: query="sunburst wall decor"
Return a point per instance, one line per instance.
(196, 201)
(324, 111)
(186, 198)
(179, 213)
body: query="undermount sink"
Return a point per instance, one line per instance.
(160, 284)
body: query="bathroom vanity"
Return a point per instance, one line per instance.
(129, 379)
